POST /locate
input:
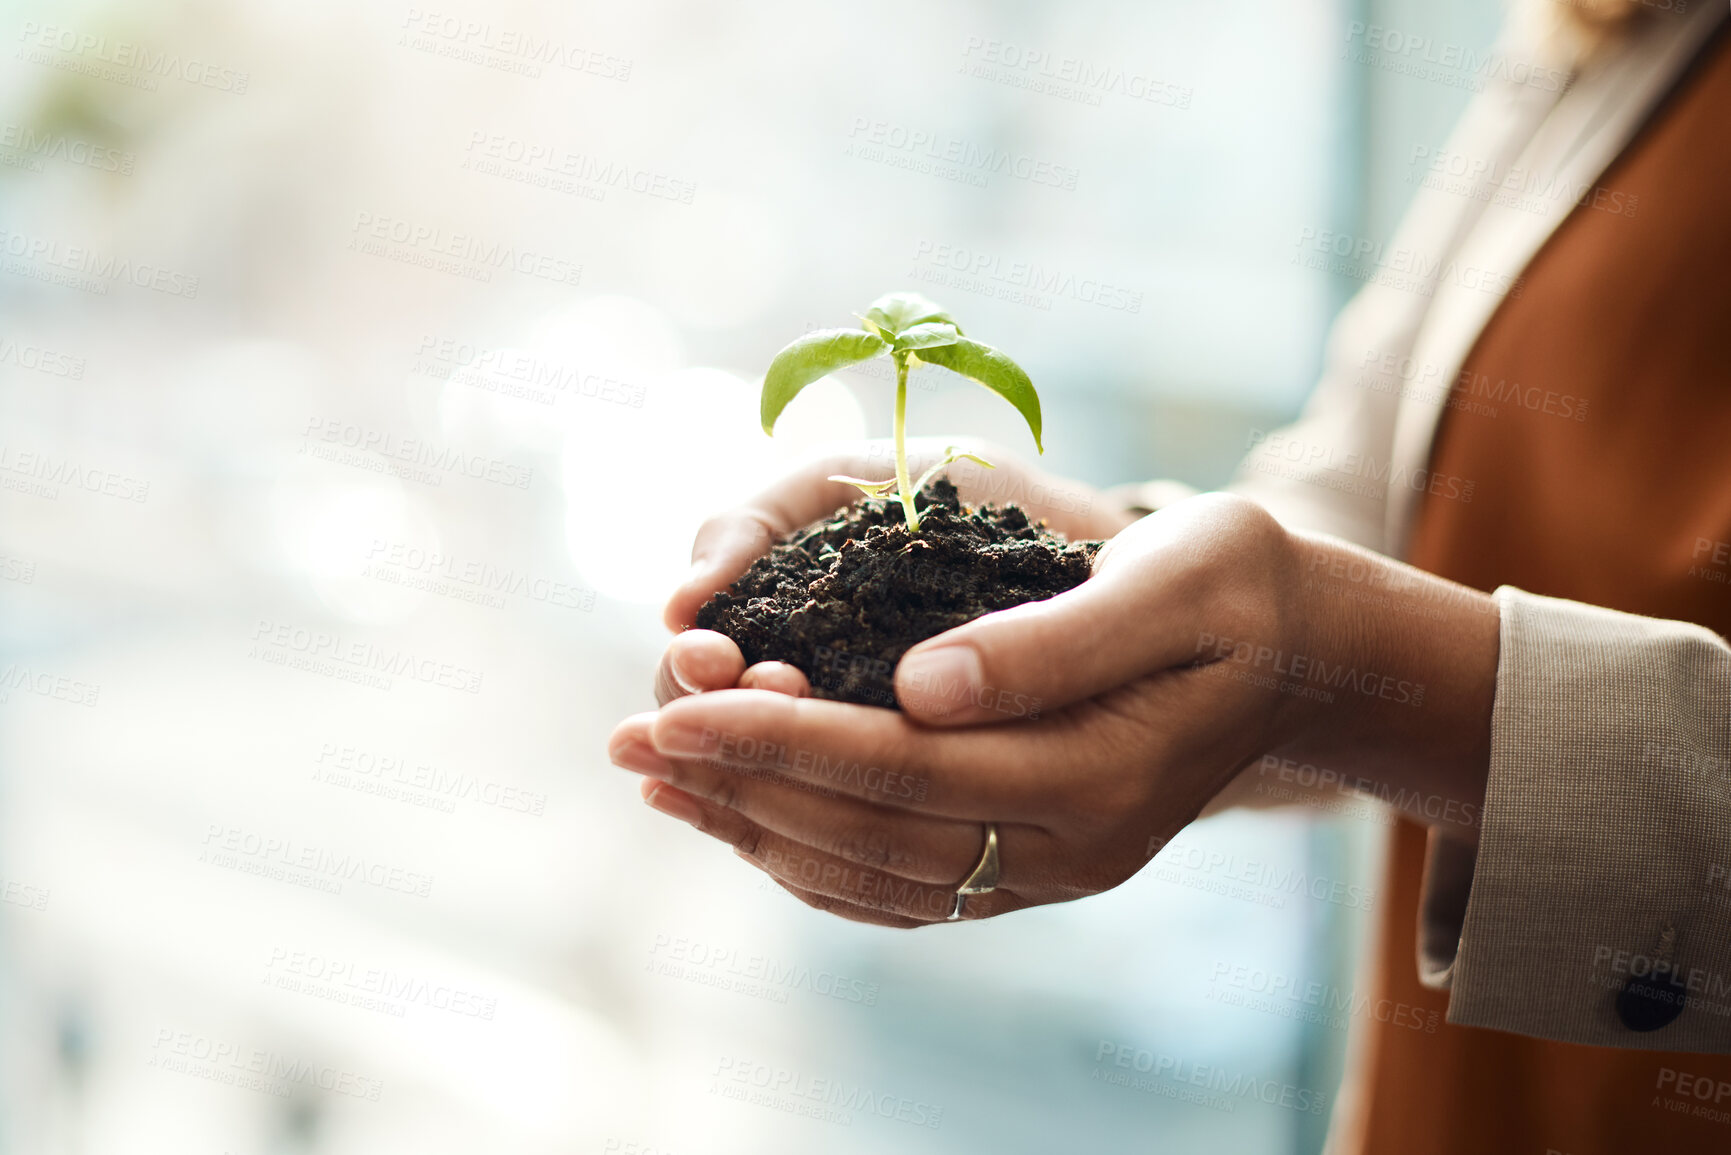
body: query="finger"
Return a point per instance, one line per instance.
(778, 677)
(801, 867)
(874, 890)
(996, 773)
(912, 845)
(736, 831)
(716, 821)
(695, 661)
(1145, 609)
(848, 910)
(726, 546)
(629, 746)
(728, 543)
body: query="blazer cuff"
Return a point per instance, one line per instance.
(1597, 908)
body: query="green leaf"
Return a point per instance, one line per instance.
(926, 336)
(810, 357)
(995, 371)
(895, 312)
(869, 488)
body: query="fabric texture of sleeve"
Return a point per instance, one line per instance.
(1604, 858)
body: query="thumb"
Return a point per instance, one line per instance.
(1138, 614)
(726, 546)
(729, 542)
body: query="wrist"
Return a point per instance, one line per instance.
(1405, 664)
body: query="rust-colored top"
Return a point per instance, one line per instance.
(1594, 414)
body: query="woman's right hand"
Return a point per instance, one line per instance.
(698, 660)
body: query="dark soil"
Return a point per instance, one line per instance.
(844, 599)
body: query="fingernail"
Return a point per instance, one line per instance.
(674, 804)
(637, 756)
(679, 676)
(679, 739)
(939, 681)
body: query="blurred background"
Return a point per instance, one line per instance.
(364, 371)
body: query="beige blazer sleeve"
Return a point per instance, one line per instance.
(1598, 906)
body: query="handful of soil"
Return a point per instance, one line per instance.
(842, 600)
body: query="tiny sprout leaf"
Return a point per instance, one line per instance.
(957, 455)
(808, 358)
(996, 372)
(896, 312)
(869, 488)
(926, 335)
(952, 454)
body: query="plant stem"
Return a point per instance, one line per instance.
(903, 486)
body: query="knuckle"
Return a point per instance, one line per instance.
(763, 522)
(871, 846)
(750, 840)
(711, 528)
(774, 861)
(723, 790)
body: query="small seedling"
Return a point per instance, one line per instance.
(912, 330)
